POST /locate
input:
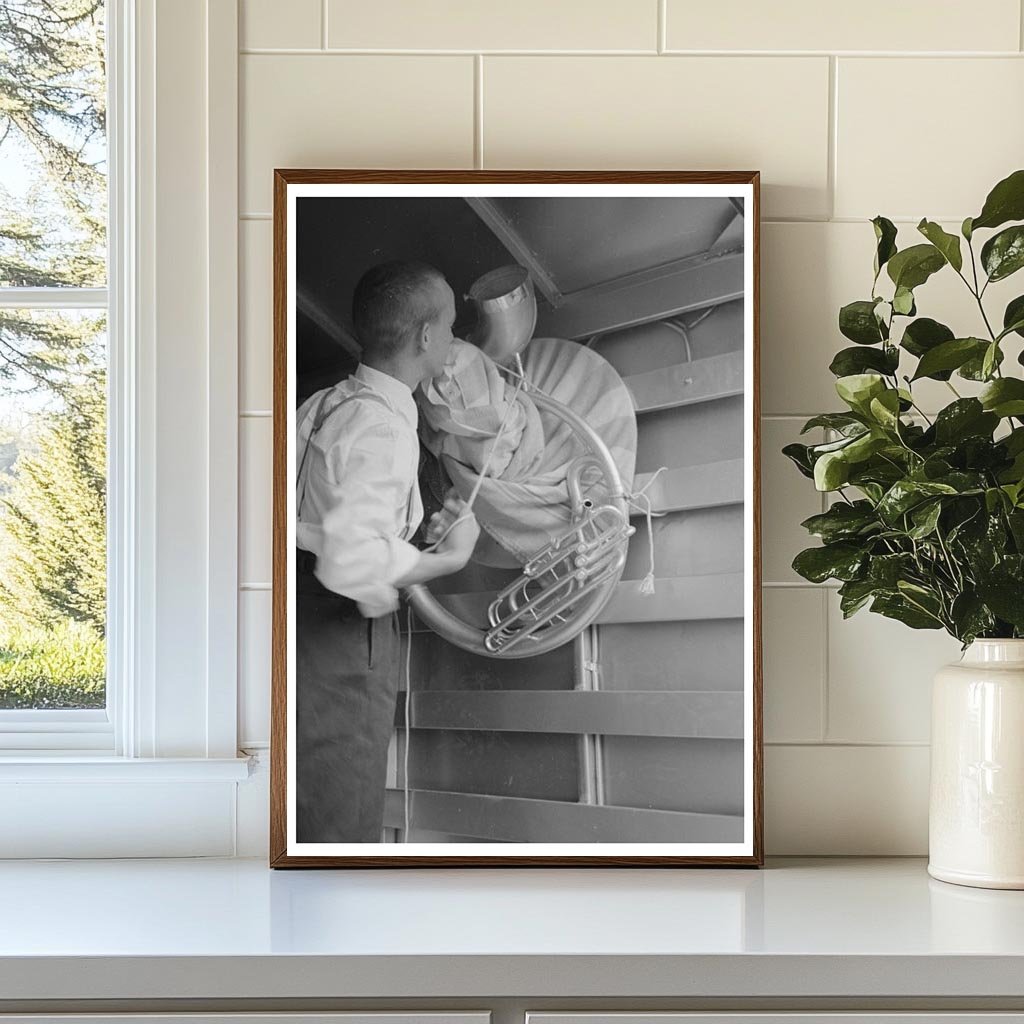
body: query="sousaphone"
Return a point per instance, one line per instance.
(564, 586)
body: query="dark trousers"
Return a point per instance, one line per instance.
(347, 670)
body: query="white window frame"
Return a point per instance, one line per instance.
(171, 719)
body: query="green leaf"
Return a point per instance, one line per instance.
(990, 360)
(974, 368)
(885, 409)
(994, 499)
(1015, 520)
(842, 521)
(925, 518)
(966, 417)
(799, 455)
(965, 229)
(863, 447)
(858, 389)
(1005, 202)
(1005, 596)
(1004, 397)
(1013, 317)
(831, 471)
(899, 608)
(854, 595)
(906, 494)
(971, 617)
(950, 355)
(885, 237)
(903, 302)
(1003, 254)
(964, 482)
(842, 421)
(923, 335)
(912, 267)
(857, 321)
(840, 561)
(887, 570)
(947, 244)
(849, 361)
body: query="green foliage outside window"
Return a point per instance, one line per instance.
(52, 365)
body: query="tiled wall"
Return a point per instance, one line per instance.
(906, 109)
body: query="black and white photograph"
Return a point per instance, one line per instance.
(516, 555)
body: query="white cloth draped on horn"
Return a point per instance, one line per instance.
(524, 502)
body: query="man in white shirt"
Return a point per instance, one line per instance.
(358, 505)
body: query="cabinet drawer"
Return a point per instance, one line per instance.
(934, 1017)
(355, 1017)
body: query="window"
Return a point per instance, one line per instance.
(154, 771)
(53, 369)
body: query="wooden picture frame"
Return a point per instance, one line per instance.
(635, 259)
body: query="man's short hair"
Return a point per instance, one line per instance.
(392, 300)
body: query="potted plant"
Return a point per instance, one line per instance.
(927, 521)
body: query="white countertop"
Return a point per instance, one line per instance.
(234, 929)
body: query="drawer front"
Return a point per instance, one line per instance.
(357, 1017)
(934, 1017)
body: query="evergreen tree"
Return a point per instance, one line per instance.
(52, 124)
(53, 234)
(53, 520)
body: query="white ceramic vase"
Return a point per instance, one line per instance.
(976, 813)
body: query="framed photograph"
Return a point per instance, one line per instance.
(516, 608)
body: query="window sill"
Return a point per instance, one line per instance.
(77, 766)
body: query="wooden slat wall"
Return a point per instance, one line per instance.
(511, 819)
(499, 752)
(711, 715)
(703, 380)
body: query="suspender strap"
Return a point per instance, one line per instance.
(320, 417)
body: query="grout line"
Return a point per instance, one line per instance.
(254, 586)
(258, 51)
(854, 744)
(953, 221)
(828, 585)
(662, 26)
(323, 24)
(255, 414)
(478, 111)
(255, 216)
(833, 134)
(339, 51)
(860, 54)
(823, 724)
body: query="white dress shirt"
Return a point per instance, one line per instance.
(357, 496)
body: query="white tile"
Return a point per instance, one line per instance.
(787, 499)
(471, 25)
(808, 272)
(351, 111)
(880, 677)
(679, 113)
(962, 130)
(793, 632)
(255, 316)
(868, 25)
(254, 639)
(272, 25)
(846, 801)
(255, 512)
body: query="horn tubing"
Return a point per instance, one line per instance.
(472, 638)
